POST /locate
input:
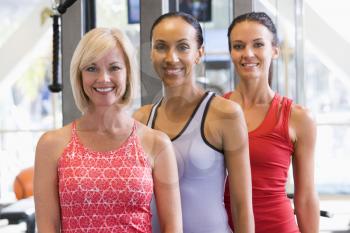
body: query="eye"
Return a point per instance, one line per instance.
(159, 47)
(237, 46)
(91, 68)
(183, 47)
(258, 44)
(115, 68)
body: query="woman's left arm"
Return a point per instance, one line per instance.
(306, 203)
(166, 185)
(227, 120)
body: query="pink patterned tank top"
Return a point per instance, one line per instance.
(105, 191)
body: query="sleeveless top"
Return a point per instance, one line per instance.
(105, 191)
(270, 150)
(202, 175)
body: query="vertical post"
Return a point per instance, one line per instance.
(151, 86)
(299, 52)
(71, 33)
(89, 12)
(241, 7)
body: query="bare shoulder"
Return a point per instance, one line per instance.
(222, 108)
(302, 123)
(142, 114)
(53, 142)
(300, 115)
(152, 140)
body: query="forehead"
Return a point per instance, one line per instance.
(174, 28)
(250, 30)
(113, 54)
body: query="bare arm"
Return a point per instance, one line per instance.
(231, 128)
(305, 197)
(166, 185)
(236, 151)
(45, 186)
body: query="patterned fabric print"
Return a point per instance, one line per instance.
(105, 191)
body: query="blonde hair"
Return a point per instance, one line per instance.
(94, 45)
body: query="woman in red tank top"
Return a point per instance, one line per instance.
(279, 132)
(98, 173)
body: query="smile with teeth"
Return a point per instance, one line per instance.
(172, 71)
(250, 64)
(104, 89)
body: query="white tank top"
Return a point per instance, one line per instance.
(202, 175)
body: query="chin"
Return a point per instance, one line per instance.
(171, 80)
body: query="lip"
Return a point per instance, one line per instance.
(104, 90)
(172, 70)
(250, 64)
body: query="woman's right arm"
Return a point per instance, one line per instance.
(46, 199)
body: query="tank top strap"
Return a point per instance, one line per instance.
(227, 95)
(74, 134)
(275, 103)
(283, 120)
(200, 111)
(133, 129)
(153, 114)
(271, 117)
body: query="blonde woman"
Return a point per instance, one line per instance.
(98, 173)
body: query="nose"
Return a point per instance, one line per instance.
(103, 76)
(171, 56)
(248, 51)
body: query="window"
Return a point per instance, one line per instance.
(326, 82)
(27, 107)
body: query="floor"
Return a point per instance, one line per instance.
(338, 223)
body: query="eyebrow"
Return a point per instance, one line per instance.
(116, 62)
(255, 40)
(179, 41)
(111, 63)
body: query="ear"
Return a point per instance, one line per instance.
(200, 54)
(275, 52)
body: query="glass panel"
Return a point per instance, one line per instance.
(27, 107)
(215, 72)
(327, 90)
(332, 159)
(327, 80)
(12, 15)
(17, 153)
(123, 15)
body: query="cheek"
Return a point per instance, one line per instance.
(85, 83)
(234, 57)
(123, 79)
(268, 57)
(155, 56)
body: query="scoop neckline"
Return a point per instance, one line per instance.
(122, 145)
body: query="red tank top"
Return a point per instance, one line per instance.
(105, 191)
(270, 150)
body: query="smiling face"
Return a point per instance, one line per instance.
(175, 51)
(104, 80)
(252, 50)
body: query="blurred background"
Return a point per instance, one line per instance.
(313, 69)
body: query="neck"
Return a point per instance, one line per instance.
(105, 119)
(181, 96)
(254, 94)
